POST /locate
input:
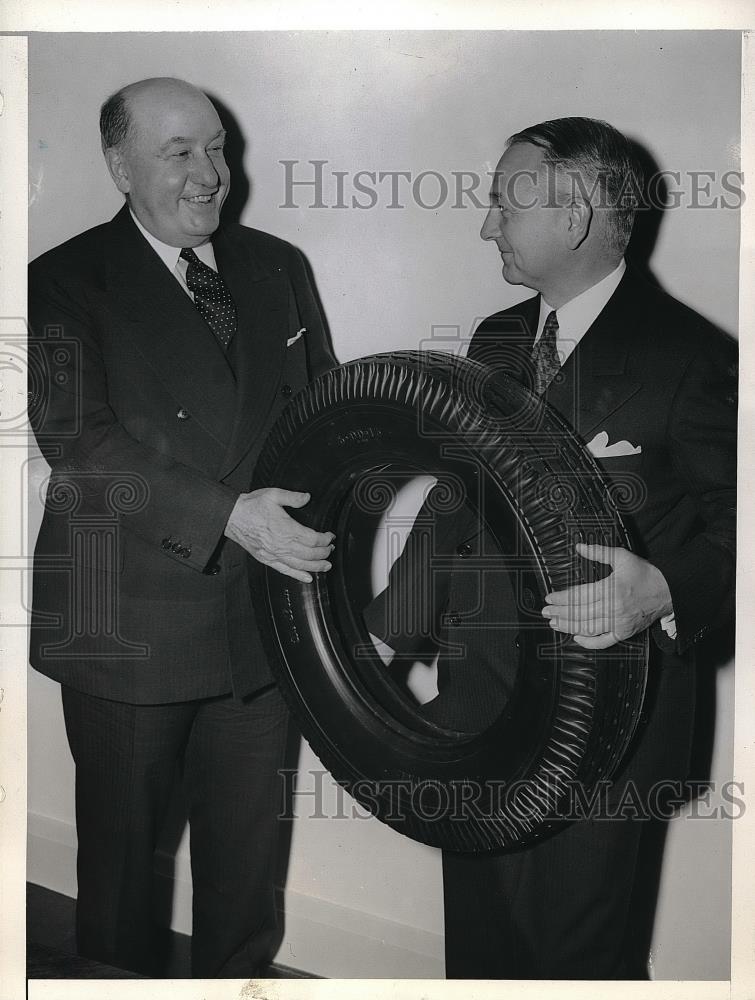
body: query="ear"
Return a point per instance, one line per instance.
(116, 164)
(579, 220)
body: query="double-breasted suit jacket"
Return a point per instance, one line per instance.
(152, 431)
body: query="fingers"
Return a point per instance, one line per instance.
(297, 574)
(291, 549)
(586, 620)
(288, 528)
(318, 551)
(299, 569)
(288, 498)
(600, 640)
(582, 595)
(589, 635)
(308, 536)
(294, 498)
(597, 641)
(578, 626)
(300, 532)
(268, 533)
(305, 565)
(598, 553)
(588, 593)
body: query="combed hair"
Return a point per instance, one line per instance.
(115, 120)
(598, 152)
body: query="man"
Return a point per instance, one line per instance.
(650, 387)
(168, 344)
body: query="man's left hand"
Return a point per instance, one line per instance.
(603, 613)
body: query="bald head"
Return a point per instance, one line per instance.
(118, 112)
(163, 143)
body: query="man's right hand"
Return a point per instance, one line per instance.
(259, 524)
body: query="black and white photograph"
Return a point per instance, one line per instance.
(370, 423)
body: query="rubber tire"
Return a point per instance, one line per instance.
(574, 711)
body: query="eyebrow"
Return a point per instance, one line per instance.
(183, 138)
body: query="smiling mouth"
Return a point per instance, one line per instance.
(200, 199)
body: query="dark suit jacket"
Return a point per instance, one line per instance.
(650, 372)
(151, 432)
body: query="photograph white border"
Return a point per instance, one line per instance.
(22, 16)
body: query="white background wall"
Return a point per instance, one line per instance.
(363, 901)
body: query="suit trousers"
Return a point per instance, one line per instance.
(562, 908)
(228, 754)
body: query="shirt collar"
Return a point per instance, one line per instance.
(576, 316)
(171, 255)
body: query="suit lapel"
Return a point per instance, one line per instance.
(165, 326)
(261, 295)
(504, 340)
(594, 382)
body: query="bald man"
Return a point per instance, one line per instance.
(167, 344)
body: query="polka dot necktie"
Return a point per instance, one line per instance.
(211, 297)
(545, 356)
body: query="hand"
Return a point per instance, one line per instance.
(259, 524)
(603, 613)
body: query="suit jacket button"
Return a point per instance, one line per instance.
(464, 550)
(214, 570)
(286, 389)
(186, 552)
(183, 414)
(166, 543)
(176, 547)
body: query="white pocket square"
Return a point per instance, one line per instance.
(292, 340)
(600, 448)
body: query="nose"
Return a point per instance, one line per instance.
(204, 172)
(491, 226)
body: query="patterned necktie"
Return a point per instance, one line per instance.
(211, 297)
(545, 356)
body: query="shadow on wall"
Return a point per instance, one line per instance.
(647, 222)
(242, 190)
(714, 653)
(235, 149)
(655, 199)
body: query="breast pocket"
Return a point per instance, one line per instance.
(627, 483)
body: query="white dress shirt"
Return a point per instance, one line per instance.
(171, 256)
(576, 316)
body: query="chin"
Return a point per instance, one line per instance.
(205, 229)
(511, 278)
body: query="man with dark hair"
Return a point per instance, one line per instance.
(594, 160)
(169, 344)
(650, 388)
(115, 119)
